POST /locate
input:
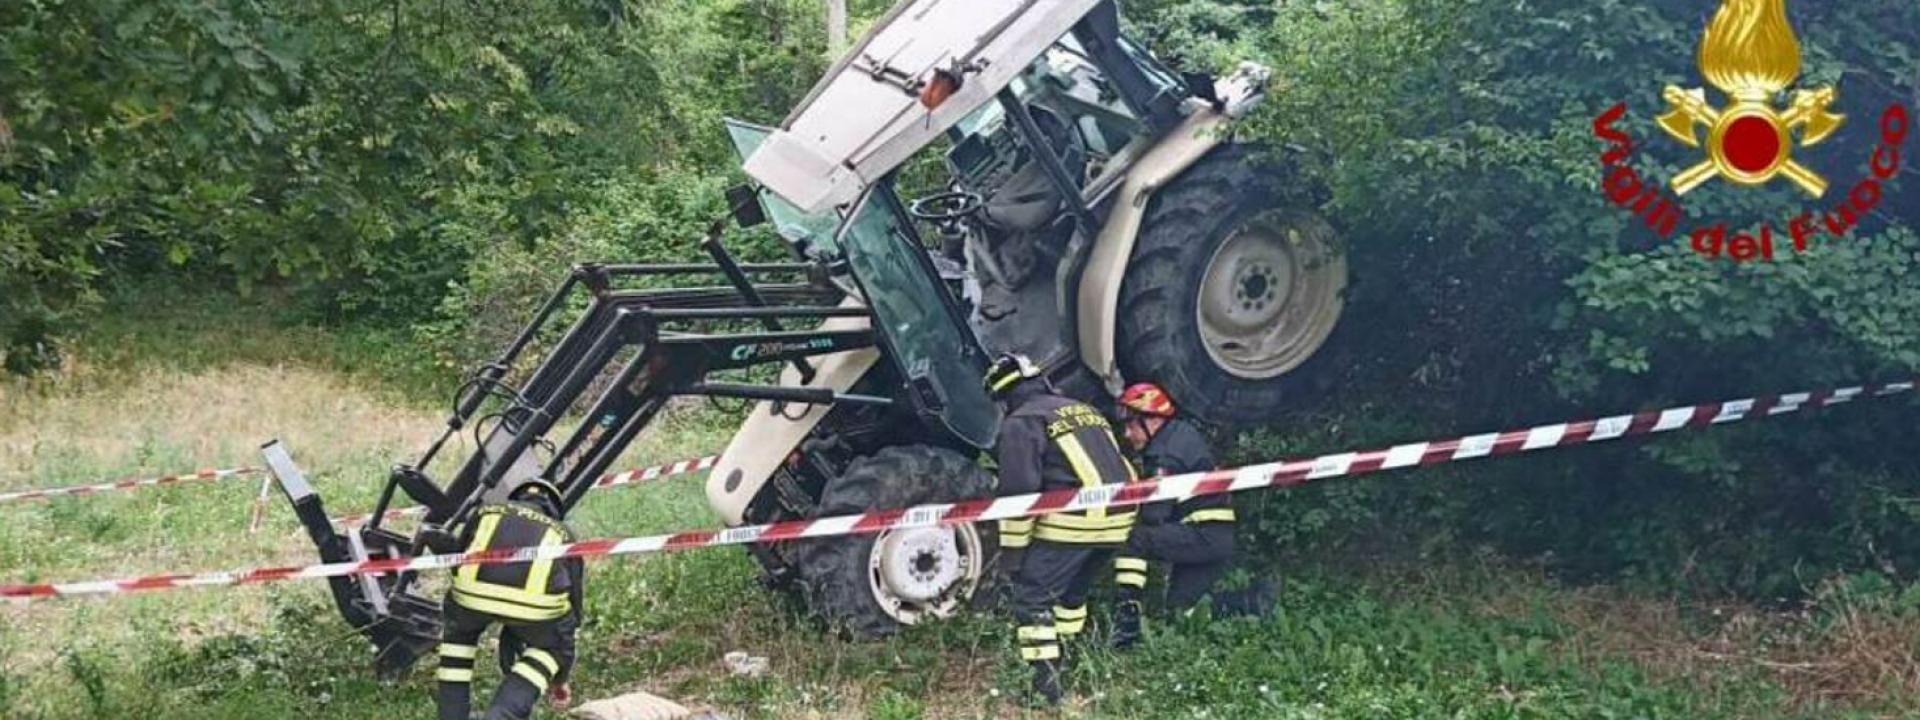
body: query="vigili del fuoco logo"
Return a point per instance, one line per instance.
(1750, 54)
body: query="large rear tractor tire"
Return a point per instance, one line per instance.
(871, 585)
(1236, 283)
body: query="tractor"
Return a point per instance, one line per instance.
(969, 179)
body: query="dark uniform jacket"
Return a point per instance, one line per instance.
(523, 592)
(1177, 449)
(1049, 442)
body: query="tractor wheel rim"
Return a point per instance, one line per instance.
(1271, 294)
(919, 573)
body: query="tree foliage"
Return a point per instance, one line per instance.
(365, 152)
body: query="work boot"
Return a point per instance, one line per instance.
(1126, 624)
(1046, 683)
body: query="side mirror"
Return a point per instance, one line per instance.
(743, 204)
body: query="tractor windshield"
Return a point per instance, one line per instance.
(921, 326)
(811, 233)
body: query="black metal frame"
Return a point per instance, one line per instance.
(665, 342)
(1099, 33)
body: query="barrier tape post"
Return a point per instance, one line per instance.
(126, 484)
(260, 504)
(1276, 474)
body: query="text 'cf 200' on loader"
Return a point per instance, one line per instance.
(1082, 205)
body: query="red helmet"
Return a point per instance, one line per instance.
(1147, 399)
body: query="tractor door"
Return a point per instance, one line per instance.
(922, 325)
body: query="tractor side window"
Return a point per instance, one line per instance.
(811, 232)
(928, 338)
(1066, 83)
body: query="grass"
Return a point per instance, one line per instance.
(202, 385)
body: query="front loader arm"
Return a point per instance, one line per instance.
(629, 351)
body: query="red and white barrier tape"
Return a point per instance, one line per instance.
(127, 484)
(636, 475)
(1277, 474)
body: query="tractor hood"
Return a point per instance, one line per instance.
(866, 117)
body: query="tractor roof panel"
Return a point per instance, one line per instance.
(865, 117)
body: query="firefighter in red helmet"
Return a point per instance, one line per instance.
(1194, 536)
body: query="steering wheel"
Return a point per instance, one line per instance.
(947, 206)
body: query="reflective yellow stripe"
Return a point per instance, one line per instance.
(1209, 515)
(503, 593)
(454, 650)
(510, 611)
(1069, 621)
(482, 535)
(544, 658)
(1031, 633)
(1082, 468)
(531, 674)
(1082, 537)
(527, 602)
(1073, 520)
(1005, 381)
(1130, 579)
(1130, 563)
(1016, 532)
(1043, 652)
(541, 570)
(454, 675)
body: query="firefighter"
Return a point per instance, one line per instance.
(1050, 442)
(1194, 536)
(537, 605)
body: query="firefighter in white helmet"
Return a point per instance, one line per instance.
(537, 604)
(1051, 442)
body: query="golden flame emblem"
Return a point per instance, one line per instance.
(1750, 53)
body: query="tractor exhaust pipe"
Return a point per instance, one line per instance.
(401, 625)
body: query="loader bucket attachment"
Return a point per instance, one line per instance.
(403, 625)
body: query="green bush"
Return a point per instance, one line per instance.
(1495, 287)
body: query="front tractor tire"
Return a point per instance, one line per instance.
(871, 585)
(1235, 284)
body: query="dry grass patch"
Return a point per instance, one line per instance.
(161, 420)
(1839, 651)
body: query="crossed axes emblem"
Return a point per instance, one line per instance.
(1749, 142)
